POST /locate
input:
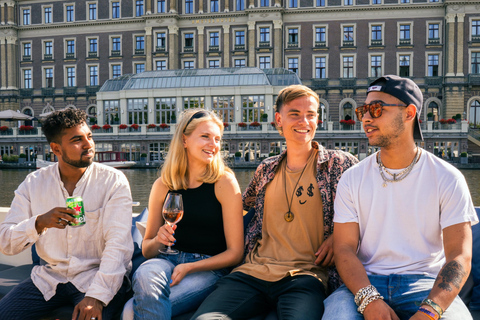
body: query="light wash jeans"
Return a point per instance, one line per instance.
(154, 299)
(403, 293)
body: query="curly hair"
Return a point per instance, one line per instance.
(55, 123)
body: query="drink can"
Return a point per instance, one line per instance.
(76, 203)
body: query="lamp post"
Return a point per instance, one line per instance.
(322, 106)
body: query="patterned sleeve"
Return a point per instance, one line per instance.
(250, 193)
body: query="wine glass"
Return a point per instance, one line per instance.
(172, 213)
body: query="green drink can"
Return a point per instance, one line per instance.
(76, 203)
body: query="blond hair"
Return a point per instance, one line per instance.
(174, 172)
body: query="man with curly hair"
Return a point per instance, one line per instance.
(82, 266)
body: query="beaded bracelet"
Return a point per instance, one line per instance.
(436, 307)
(429, 314)
(367, 301)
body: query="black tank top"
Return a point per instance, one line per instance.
(201, 228)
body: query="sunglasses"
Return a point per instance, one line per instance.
(375, 109)
(196, 115)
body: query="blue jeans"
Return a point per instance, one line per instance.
(26, 302)
(240, 296)
(475, 302)
(403, 293)
(154, 299)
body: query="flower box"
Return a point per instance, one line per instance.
(95, 127)
(151, 126)
(3, 128)
(106, 126)
(123, 126)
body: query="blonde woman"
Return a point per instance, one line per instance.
(210, 235)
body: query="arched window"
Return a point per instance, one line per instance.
(28, 112)
(347, 111)
(92, 114)
(432, 114)
(475, 113)
(48, 108)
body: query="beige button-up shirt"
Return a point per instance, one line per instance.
(94, 257)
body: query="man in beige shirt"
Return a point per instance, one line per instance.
(83, 266)
(289, 258)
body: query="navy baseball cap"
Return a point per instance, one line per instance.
(403, 89)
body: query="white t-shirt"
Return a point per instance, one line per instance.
(401, 224)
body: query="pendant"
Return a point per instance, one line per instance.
(289, 216)
(384, 184)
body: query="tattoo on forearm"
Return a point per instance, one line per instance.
(451, 274)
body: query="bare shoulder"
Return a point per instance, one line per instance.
(227, 183)
(159, 187)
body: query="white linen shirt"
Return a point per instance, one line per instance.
(94, 257)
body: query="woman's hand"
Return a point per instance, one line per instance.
(179, 272)
(166, 234)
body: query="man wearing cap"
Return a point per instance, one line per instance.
(402, 225)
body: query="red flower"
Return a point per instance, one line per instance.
(442, 121)
(151, 126)
(3, 128)
(123, 126)
(350, 122)
(273, 124)
(95, 126)
(106, 126)
(164, 126)
(242, 124)
(451, 121)
(26, 128)
(255, 124)
(225, 124)
(134, 126)
(319, 122)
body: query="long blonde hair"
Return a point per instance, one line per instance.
(174, 172)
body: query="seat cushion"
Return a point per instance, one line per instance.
(10, 277)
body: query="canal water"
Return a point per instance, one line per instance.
(141, 181)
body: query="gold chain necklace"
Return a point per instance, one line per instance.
(289, 216)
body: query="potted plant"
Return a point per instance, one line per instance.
(143, 157)
(463, 158)
(3, 128)
(22, 157)
(238, 154)
(225, 125)
(106, 127)
(255, 125)
(430, 116)
(273, 124)
(122, 126)
(242, 125)
(151, 126)
(347, 124)
(134, 127)
(95, 127)
(173, 118)
(164, 126)
(264, 117)
(451, 121)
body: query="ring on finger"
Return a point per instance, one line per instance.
(59, 220)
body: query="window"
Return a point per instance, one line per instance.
(115, 10)
(161, 65)
(252, 108)
(264, 3)
(292, 3)
(71, 81)
(476, 62)
(137, 111)
(264, 62)
(293, 64)
(240, 5)
(404, 65)
(404, 34)
(165, 110)
(161, 6)
(116, 46)
(27, 50)
(189, 40)
(432, 65)
(214, 6)
(27, 78)
(320, 35)
(320, 67)
(70, 13)
(404, 1)
(92, 45)
(139, 43)
(214, 39)
(47, 14)
(376, 1)
(265, 35)
(348, 67)
(48, 77)
(92, 11)
(320, 3)
(139, 67)
(193, 102)
(116, 70)
(376, 66)
(26, 17)
(188, 6)
(214, 63)
(348, 2)
(293, 37)
(93, 72)
(188, 65)
(139, 8)
(475, 112)
(48, 54)
(224, 107)
(111, 111)
(433, 31)
(239, 63)
(240, 38)
(70, 48)
(376, 35)
(348, 35)
(161, 40)
(347, 111)
(475, 28)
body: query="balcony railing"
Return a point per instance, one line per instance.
(92, 90)
(92, 54)
(264, 44)
(115, 53)
(32, 131)
(239, 47)
(188, 49)
(319, 83)
(376, 42)
(213, 48)
(47, 57)
(27, 58)
(320, 44)
(8, 132)
(433, 81)
(70, 91)
(433, 40)
(159, 48)
(292, 44)
(348, 82)
(48, 92)
(348, 43)
(476, 38)
(404, 42)
(474, 79)
(70, 55)
(26, 92)
(139, 51)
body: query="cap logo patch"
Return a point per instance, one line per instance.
(374, 88)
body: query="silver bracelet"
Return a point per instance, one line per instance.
(364, 292)
(367, 301)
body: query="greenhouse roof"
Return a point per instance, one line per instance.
(187, 78)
